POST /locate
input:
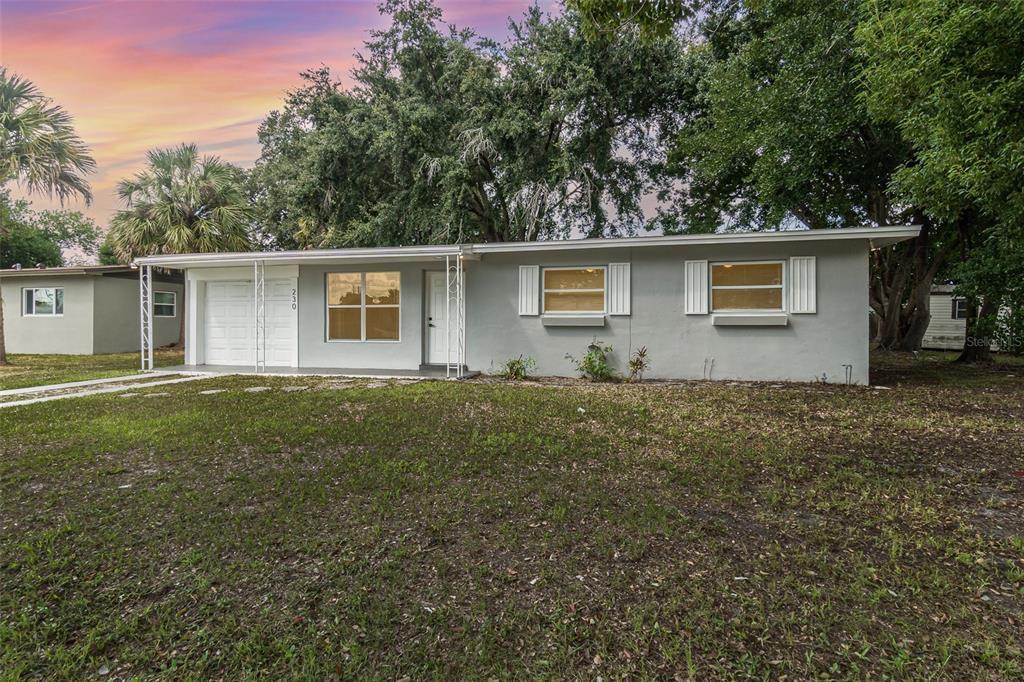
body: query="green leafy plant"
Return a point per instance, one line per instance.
(638, 364)
(517, 369)
(594, 364)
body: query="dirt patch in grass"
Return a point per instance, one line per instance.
(693, 530)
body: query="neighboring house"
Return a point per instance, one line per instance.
(84, 310)
(948, 325)
(761, 305)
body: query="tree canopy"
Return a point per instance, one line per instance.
(446, 137)
(949, 74)
(52, 238)
(21, 242)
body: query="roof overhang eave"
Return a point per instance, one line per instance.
(326, 256)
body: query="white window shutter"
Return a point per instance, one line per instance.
(618, 289)
(802, 285)
(696, 287)
(529, 289)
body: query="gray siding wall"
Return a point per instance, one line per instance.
(943, 331)
(117, 315)
(810, 348)
(68, 334)
(316, 351)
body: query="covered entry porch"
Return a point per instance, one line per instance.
(358, 312)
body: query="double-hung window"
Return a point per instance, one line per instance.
(574, 290)
(959, 308)
(165, 303)
(43, 302)
(746, 287)
(363, 306)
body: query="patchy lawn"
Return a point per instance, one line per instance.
(452, 530)
(38, 370)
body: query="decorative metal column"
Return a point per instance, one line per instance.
(259, 298)
(455, 307)
(146, 316)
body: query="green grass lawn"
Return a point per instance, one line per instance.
(37, 370)
(478, 530)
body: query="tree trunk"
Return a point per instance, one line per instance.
(901, 288)
(977, 343)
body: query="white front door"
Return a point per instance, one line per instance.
(437, 289)
(229, 323)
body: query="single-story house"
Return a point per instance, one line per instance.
(85, 310)
(947, 328)
(789, 305)
(948, 325)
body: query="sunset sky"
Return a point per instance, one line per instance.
(138, 74)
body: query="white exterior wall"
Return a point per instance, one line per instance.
(196, 280)
(811, 347)
(116, 315)
(67, 334)
(406, 353)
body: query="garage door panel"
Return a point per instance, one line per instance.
(230, 323)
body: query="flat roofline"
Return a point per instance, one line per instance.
(65, 271)
(876, 236)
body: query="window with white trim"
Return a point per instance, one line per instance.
(959, 308)
(363, 306)
(43, 302)
(746, 286)
(165, 303)
(574, 290)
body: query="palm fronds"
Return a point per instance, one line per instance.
(38, 143)
(181, 203)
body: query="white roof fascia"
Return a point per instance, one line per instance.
(879, 236)
(393, 253)
(876, 236)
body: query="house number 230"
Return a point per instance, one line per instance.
(295, 302)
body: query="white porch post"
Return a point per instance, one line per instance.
(447, 318)
(460, 315)
(259, 346)
(146, 317)
(454, 287)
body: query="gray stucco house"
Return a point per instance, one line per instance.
(790, 305)
(85, 310)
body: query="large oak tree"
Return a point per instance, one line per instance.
(444, 137)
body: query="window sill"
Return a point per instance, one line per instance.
(582, 320)
(750, 319)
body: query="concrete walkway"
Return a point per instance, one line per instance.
(99, 391)
(46, 388)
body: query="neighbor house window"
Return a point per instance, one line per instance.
(959, 308)
(165, 303)
(363, 306)
(746, 286)
(43, 302)
(574, 290)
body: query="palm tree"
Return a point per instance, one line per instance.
(181, 203)
(40, 149)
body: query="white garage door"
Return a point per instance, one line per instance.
(229, 323)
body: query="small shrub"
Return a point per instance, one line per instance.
(638, 364)
(594, 365)
(517, 369)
